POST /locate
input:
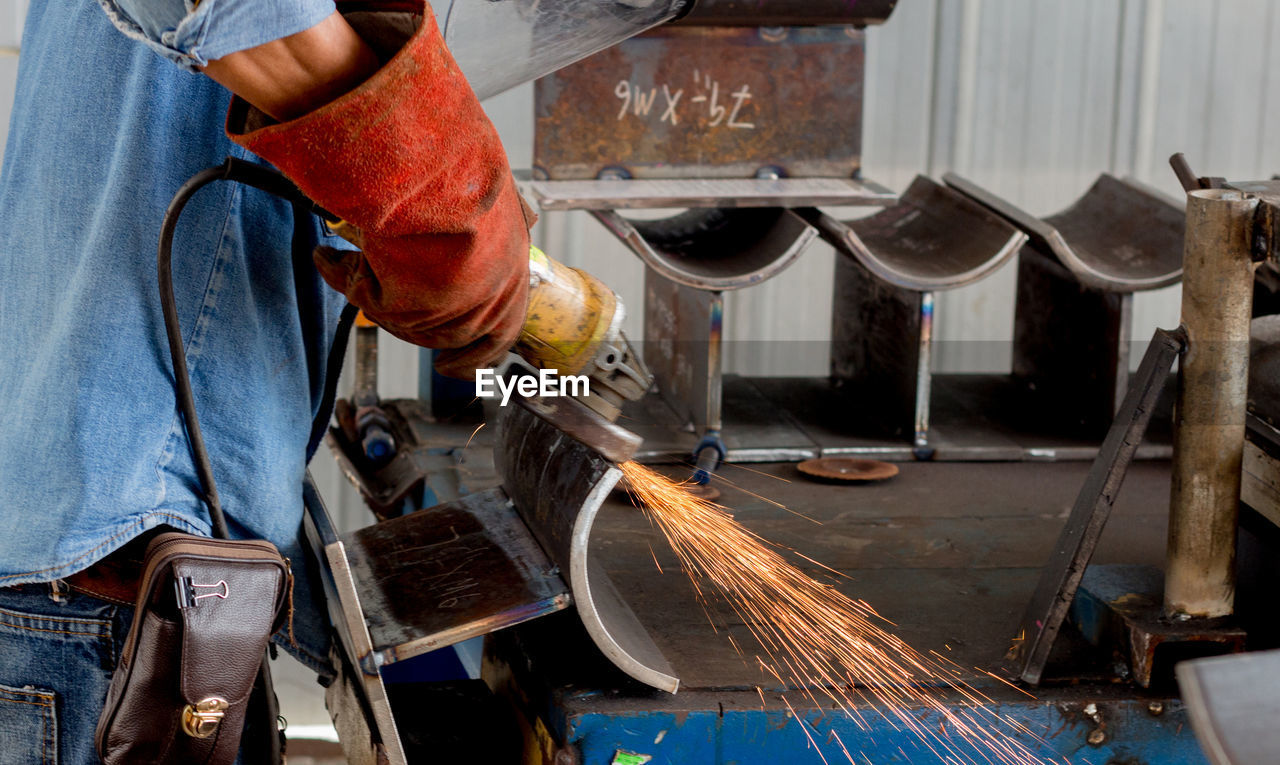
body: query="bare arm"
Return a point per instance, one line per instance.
(294, 75)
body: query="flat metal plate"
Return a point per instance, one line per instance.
(949, 552)
(769, 13)
(452, 572)
(1073, 552)
(640, 194)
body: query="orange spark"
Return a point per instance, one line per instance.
(473, 435)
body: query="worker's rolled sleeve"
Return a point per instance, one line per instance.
(192, 34)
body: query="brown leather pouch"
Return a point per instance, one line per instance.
(205, 611)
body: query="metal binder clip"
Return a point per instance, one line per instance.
(187, 591)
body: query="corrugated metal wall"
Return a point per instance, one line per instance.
(1031, 98)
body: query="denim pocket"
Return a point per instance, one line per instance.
(28, 726)
(55, 665)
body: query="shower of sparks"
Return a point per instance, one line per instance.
(827, 646)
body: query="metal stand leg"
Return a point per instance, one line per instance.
(1071, 343)
(373, 428)
(682, 348)
(880, 348)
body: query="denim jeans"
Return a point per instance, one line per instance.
(56, 660)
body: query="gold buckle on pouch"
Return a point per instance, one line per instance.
(201, 720)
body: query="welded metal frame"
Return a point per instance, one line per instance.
(1086, 262)
(932, 239)
(367, 726)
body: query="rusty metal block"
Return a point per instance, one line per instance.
(1124, 603)
(706, 102)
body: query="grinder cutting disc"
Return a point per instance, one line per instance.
(848, 469)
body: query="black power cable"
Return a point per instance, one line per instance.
(272, 182)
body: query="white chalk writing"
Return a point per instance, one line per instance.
(705, 102)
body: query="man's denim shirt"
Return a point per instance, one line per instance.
(92, 449)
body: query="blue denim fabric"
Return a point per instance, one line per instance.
(56, 660)
(191, 34)
(92, 449)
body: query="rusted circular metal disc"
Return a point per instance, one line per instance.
(848, 469)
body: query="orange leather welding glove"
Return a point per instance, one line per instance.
(411, 161)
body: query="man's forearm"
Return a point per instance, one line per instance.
(294, 75)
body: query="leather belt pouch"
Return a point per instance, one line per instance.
(205, 610)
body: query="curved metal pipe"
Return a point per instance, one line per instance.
(557, 484)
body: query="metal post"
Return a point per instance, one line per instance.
(924, 378)
(1217, 294)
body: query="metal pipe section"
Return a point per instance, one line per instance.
(765, 13)
(558, 483)
(1217, 295)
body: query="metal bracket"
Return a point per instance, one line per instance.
(934, 238)
(1266, 228)
(715, 266)
(1121, 236)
